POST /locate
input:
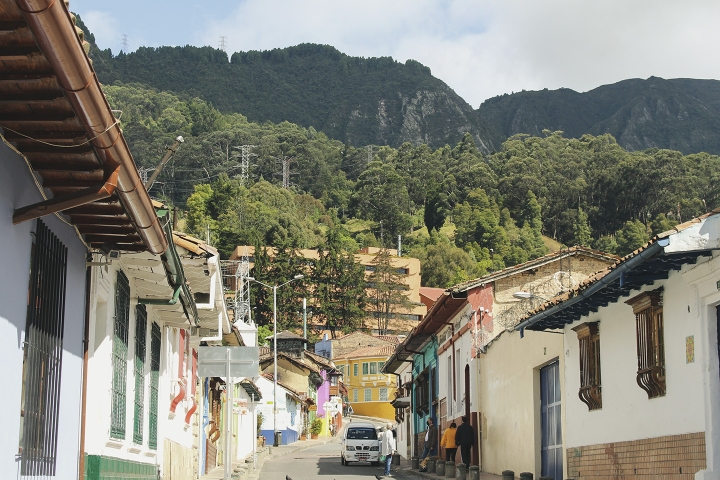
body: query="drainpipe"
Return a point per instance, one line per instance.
(86, 340)
(50, 23)
(181, 372)
(193, 390)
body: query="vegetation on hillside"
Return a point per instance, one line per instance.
(587, 191)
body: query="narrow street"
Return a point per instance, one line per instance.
(323, 460)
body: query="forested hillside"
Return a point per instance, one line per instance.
(462, 212)
(379, 101)
(463, 208)
(680, 114)
(359, 101)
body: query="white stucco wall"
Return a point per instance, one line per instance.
(510, 399)
(17, 189)
(627, 413)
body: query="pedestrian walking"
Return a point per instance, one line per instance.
(448, 442)
(430, 444)
(465, 439)
(387, 447)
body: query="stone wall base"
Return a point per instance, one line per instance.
(672, 456)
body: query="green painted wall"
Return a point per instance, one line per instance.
(98, 467)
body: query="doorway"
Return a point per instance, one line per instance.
(550, 411)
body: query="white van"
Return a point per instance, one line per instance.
(360, 444)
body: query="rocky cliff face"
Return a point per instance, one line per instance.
(679, 114)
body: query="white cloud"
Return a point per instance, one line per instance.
(104, 27)
(490, 47)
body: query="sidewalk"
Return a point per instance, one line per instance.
(406, 468)
(243, 469)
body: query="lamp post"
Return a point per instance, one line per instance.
(274, 289)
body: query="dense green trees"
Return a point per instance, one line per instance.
(485, 212)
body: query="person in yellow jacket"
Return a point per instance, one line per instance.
(448, 442)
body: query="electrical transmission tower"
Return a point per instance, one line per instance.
(223, 42)
(286, 170)
(245, 155)
(125, 43)
(237, 288)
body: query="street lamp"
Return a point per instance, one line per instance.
(274, 289)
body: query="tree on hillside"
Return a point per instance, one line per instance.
(339, 286)
(381, 195)
(387, 293)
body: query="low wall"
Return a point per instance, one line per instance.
(677, 455)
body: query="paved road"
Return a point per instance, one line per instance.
(323, 461)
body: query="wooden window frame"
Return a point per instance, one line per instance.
(650, 337)
(365, 368)
(355, 369)
(373, 366)
(590, 392)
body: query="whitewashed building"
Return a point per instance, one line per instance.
(641, 367)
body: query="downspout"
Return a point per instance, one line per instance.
(86, 340)
(181, 373)
(50, 23)
(193, 390)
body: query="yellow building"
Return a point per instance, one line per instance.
(408, 267)
(369, 390)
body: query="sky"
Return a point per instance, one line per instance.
(480, 48)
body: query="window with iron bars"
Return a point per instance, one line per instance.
(119, 356)
(42, 360)
(155, 339)
(590, 380)
(140, 333)
(650, 331)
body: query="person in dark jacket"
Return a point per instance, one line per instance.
(465, 439)
(430, 444)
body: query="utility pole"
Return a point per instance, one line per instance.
(166, 158)
(125, 43)
(223, 44)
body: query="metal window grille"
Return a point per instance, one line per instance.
(43, 354)
(119, 358)
(368, 395)
(140, 333)
(155, 338)
(649, 326)
(383, 394)
(590, 380)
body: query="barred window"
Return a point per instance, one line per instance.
(140, 333)
(119, 356)
(45, 324)
(649, 326)
(155, 338)
(355, 395)
(383, 394)
(368, 395)
(590, 382)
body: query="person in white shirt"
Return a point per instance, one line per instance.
(387, 446)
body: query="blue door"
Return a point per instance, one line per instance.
(552, 449)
